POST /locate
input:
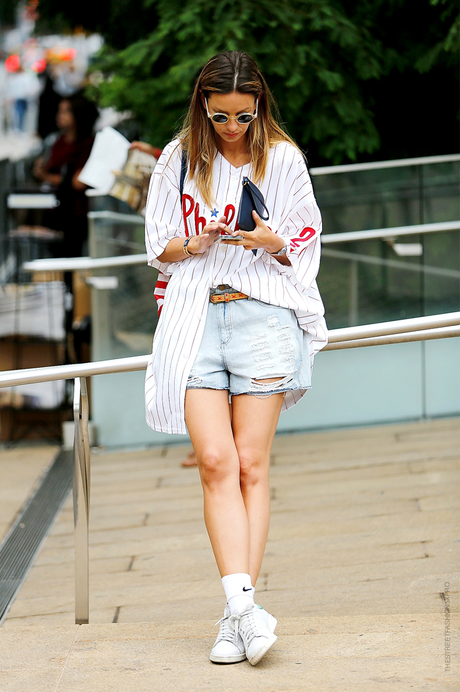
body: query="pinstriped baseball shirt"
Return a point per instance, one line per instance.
(294, 215)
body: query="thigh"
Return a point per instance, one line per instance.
(254, 422)
(208, 419)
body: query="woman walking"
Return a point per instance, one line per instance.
(241, 321)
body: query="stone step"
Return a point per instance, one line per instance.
(332, 654)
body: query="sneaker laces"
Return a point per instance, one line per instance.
(250, 625)
(226, 633)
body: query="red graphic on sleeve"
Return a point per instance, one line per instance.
(306, 234)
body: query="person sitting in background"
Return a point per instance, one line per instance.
(75, 120)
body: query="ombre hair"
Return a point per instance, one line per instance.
(224, 74)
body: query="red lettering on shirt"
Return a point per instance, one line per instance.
(229, 214)
(200, 221)
(186, 212)
(305, 235)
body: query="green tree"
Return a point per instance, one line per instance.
(315, 59)
(445, 49)
(330, 63)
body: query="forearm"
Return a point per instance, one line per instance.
(54, 179)
(174, 250)
(284, 259)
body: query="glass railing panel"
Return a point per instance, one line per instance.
(365, 282)
(389, 197)
(124, 308)
(358, 201)
(124, 316)
(441, 291)
(441, 191)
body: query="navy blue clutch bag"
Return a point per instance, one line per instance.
(251, 199)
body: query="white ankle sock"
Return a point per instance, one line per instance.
(239, 591)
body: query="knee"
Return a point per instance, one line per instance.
(214, 468)
(253, 469)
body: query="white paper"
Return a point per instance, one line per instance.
(109, 153)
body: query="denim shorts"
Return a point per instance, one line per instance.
(245, 341)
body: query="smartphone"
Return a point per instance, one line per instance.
(225, 238)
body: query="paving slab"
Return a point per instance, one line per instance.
(21, 469)
(338, 654)
(364, 538)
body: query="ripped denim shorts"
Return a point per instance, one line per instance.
(247, 341)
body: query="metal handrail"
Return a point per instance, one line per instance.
(432, 327)
(88, 263)
(397, 326)
(396, 232)
(118, 217)
(82, 263)
(380, 165)
(415, 329)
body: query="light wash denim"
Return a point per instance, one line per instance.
(245, 341)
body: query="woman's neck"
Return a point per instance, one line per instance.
(70, 135)
(235, 153)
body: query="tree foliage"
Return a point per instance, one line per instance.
(326, 61)
(313, 55)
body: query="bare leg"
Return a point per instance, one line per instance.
(234, 466)
(207, 415)
(254, 426)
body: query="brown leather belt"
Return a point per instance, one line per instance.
(225, 297)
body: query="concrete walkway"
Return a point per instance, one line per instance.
(360, 570)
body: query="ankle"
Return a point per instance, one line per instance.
(238, 590)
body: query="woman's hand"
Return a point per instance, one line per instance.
(260, 237)
(40, 172)
(209, 235)
(146, 149)
(197, 244)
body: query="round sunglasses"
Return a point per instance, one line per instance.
(222, 118)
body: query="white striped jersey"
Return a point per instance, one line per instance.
(294, 214)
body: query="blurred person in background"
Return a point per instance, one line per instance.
(48, 104)
(60, 170)
(21, 87)
(68, 78)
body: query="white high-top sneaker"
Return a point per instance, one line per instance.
(255, 626)
(229, 646)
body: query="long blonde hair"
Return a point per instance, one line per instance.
(223, 74)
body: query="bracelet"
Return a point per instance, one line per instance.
(185, 249)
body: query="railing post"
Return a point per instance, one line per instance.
(81, 493)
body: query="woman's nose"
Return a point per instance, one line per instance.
(232, 125)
